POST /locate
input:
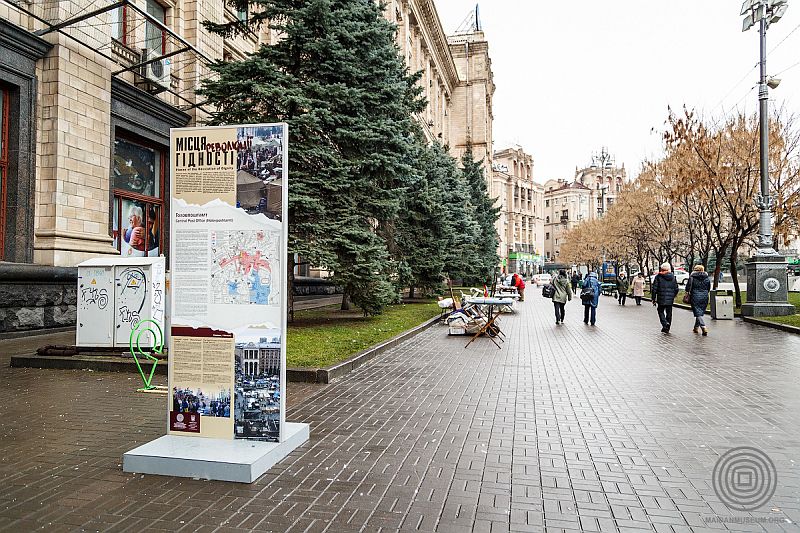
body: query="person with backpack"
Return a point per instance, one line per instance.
(698, 288)
(590, 297)
(562, 293)
(664, 291)
(622, 288)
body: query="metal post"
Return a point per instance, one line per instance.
(764, 200)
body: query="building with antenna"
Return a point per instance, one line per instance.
(457, 76)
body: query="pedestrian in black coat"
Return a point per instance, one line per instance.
(664, 291)
(576, 278)
(698, 288)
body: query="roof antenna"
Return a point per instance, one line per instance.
(472, 23)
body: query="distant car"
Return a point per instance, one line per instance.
(542, 279)
(681, 276)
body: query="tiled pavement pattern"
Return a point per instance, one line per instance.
(568, 428)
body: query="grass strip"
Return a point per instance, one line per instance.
(319, 338)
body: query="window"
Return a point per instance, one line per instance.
(242, 14)
(547, 236)
(547, 203)
(547, 220)
(155, 37)
(137, 178)
(4, 103)
(119, 24)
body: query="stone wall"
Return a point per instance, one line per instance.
(36, 297)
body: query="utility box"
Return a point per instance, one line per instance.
(115, 295)
(722, 305)
(95, 325)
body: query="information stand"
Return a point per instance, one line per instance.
(227, 357)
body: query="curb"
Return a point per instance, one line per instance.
(302, 375)
(774, 325)
(81, 362)
(326, 375)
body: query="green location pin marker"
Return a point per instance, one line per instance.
(158, 347)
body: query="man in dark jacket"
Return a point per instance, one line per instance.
(576, 278)
(664, 291)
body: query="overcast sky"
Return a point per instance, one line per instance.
(574, 76)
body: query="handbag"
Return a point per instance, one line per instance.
(549, 290)
(687, 296)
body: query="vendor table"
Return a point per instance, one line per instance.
(490, 309)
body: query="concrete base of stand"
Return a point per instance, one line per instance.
(242, 461)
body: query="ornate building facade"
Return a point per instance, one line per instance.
(566, 204)
(593, 190)
(521, 201)
(605, 180)
(473, 118)
(457, 78)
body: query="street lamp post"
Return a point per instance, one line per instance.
(767, 280)
(603, 157)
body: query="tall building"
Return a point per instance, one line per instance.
(472, 113)
(521, 201)
(566, 204)
(88, 93)
(588, 196)
(423, 44)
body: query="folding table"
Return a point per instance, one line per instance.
(490, 310)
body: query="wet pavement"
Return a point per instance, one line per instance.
(566, 428)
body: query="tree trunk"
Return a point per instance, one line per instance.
(718, 266)
(735, 275)
(345, 302)
(290, 287)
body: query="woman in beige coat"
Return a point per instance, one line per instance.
(638, 288)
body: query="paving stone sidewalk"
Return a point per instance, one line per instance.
(566, 428)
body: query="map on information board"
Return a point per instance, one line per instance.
(242, 266)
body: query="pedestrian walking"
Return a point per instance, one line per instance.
(562, 295)
(698, 288)
(576, 278)
(638, 288)
(664, 291)
(623, 284)
(590, 297)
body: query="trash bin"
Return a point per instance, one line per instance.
(722, 305)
